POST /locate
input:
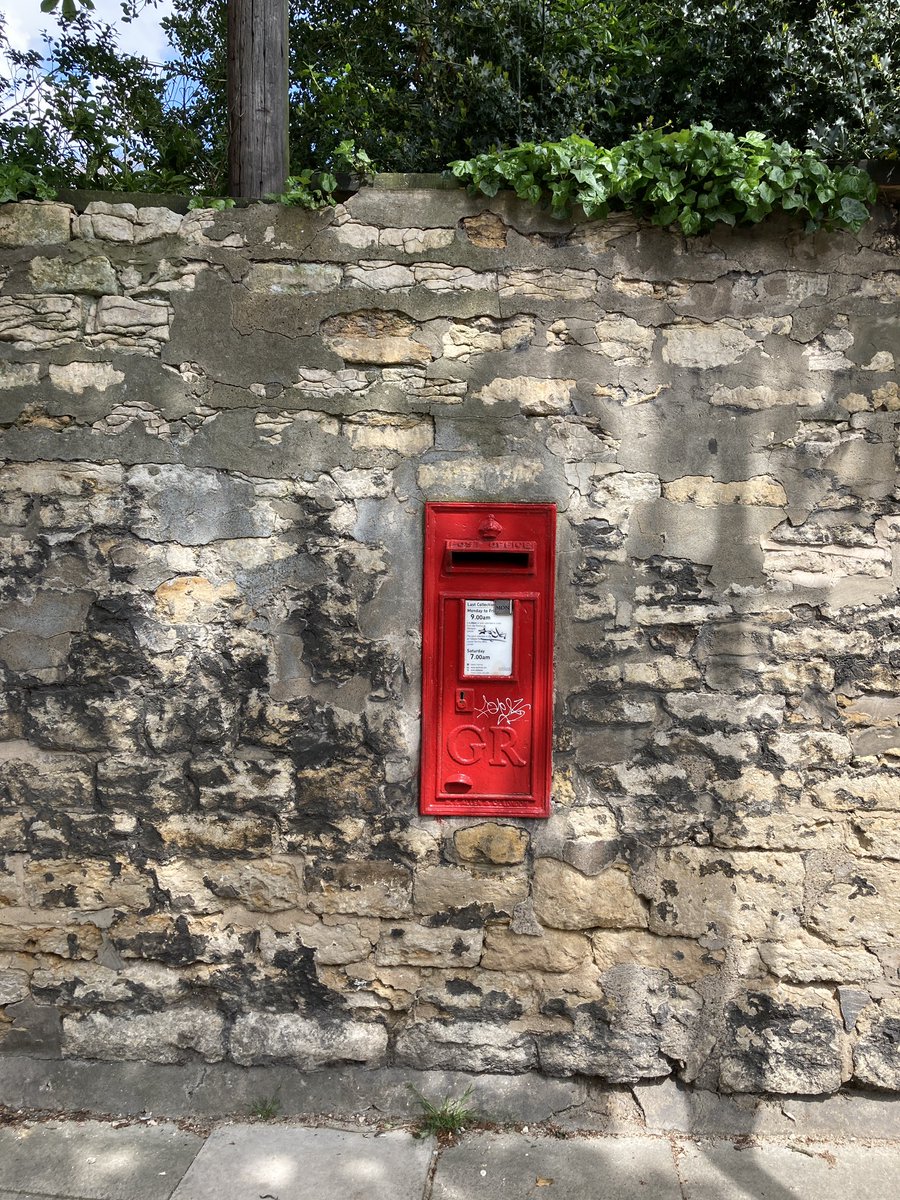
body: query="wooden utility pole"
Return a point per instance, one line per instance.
(257, 97)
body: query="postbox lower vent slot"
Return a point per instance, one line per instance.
(492, 560)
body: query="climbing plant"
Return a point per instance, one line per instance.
(692, 178)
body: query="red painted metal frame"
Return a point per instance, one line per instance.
(507, 759)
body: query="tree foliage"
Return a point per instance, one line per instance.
(420, 82)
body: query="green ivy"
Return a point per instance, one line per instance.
(315, 189)
(18, 183)
(692, 178)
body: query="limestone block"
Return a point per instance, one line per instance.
(807, 641)
(536, 397)
(887, 396)
(762, 396)
(848, 793)
(437, 889)
(12, 830)
(618, 492)
(207, 886)
(16, 375)
(35, 223)
(566, 899)
(195, 506)
(802, 958)
(183, 939)
(11, 891)
(624, 340)
(407, 436)
(64, 933)
(678, 614)
(94, 275)
(222, 832)
(485, 334)
(416, 241)
(640, 1023)
(861, 908)
(380, 275)
(31, 777)
(663, 674)
(813, 748)
(341, 941)
(875, 1059)
(439, 277)
(554, 951)
(701, 347)
(62, 478)
(782, 1047)
(419, 946)
(47, 612)
(126, 324)
(460, 1045)
(319, 382)
(193, 599)
(464, 476)
(354, 233)
(298, 279)
(307, 1043)
(13, 987)
(154, 222)
(40, 322)
(380, 338)
(696, 891)
(80, 377)
(832, 562)
(706, 492)
(491, 843)
(726, 710)
(108, 222)
(596, 236)
(877, 835)
(776, 824)
(486, 230)
(685, 959)
(88, 884)
(585, 838)
(379, 889)
(174, 1035)
(549, 284)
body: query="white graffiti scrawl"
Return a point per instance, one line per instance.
(505, 712)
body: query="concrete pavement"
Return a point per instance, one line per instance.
(112, 1160)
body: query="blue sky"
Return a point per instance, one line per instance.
(25, 23)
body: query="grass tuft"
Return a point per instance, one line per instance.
(446, 1118)
(265, 1108)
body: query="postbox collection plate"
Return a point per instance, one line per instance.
(487, 681)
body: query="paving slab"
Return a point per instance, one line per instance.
(246, 1162)
(503, 1166)
(93, 1160)
(818, 1171)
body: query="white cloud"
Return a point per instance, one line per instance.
(25, 24)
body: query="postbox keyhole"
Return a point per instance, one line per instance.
(465, 700)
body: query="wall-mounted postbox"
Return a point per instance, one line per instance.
(487, 662)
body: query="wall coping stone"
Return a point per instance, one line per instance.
(212, 1091)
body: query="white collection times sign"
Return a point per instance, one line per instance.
(488, 639)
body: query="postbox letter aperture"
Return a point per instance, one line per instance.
(487, 684)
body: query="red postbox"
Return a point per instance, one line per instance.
(487, 659)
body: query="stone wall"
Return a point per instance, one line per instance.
(218, 432)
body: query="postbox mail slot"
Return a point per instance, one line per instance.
(487, 659)
(517, 557)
